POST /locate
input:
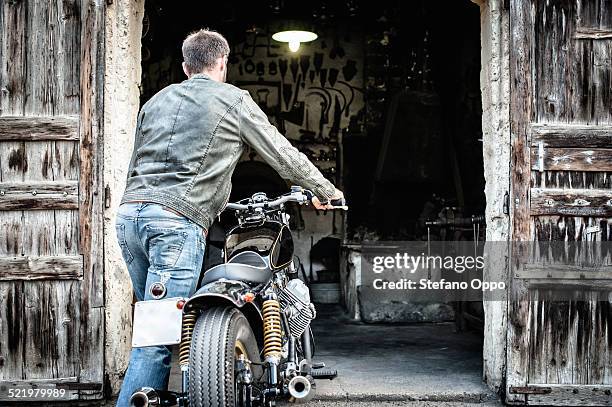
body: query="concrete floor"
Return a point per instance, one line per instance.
(393, 363)
(427, 362)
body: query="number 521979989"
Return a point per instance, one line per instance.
(32, 393)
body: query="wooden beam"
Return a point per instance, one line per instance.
(571, 135)
(522, 113)
(587, 33)
(571, 202)
(563, 272)
(571, 395)
(91, 197)
(34, 128)
(41, 268)
(38, 195)
(571, 159)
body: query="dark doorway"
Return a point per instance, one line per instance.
(386, 102)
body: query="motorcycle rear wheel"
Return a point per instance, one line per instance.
(220, 336)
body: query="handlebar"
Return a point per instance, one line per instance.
(302, 196)
(293, 197)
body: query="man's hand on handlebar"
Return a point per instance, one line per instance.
(336, 200)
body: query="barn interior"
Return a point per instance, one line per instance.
(386, 102)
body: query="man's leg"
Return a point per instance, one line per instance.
(175, 252)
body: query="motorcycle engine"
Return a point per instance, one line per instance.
(296, 305)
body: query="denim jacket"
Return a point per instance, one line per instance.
(189, 137)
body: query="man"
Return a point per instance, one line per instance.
(189, 137)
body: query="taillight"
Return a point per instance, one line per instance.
(157, 290)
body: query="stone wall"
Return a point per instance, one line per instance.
(121, 104)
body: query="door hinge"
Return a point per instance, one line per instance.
(107, 197)
(506, 204)
(541, 157)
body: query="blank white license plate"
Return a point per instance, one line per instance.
(157, 322)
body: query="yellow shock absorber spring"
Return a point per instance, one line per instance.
(189, 320)
(273, 343)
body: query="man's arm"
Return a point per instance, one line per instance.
(277, 151)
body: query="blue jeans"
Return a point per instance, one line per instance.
(157, 244)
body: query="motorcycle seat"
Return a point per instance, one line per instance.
(246, 266)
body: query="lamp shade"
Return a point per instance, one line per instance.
(293, 33)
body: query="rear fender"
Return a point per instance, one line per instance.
(228, 293)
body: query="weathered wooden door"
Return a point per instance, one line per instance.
(51, 280)
(560, 352)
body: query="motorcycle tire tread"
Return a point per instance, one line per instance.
(214, 335)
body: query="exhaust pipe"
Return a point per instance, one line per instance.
(301, 389)
(145, 397)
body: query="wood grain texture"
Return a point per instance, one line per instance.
(561, 91)
(571, 159)
(593, 34)
(91, 196)
(571, 202)
(41, 267)
(12, 162)
(574, 77)
(561, 395)
(537, 271)
(38, 195)
(521, 115)
(571, 135)
(25, 128)
(51, 57)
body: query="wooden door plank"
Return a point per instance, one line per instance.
(571, 395)
(52, 306)
(13, 67)
(52, 329)
(91, 195)
(41, 267)
(571, 202)
(38, 128)
(571, 135)
(564, 272)
(521, 114)
(38, 195)
(12, 94)
(571, 159)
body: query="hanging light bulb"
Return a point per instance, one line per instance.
(294, 38)
(294, 46)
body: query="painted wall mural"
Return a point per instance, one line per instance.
(313, 96)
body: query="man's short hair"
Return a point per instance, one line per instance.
(202, 48)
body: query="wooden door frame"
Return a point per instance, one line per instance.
(91, 199)
(521, 95)
(496, 139)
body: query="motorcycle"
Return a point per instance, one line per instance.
(244, 335)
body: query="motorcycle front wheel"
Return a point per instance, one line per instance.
(220, 336)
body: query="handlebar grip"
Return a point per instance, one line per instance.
(338, 202)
